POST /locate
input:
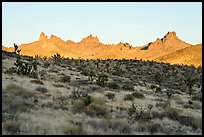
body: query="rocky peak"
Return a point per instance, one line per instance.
(70, 42)
(169, 36)
(90, 39)
(42, 36)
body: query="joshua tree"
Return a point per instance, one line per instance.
(102, 80)
(190, 83)
(169, 95)
(91, 74)
(57, 57)
(158, 78)
(16, 49)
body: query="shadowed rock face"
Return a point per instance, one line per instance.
(90, 47)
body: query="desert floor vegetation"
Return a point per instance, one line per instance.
(100, 97)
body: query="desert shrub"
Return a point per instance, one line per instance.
(153, 87)
(138, 95)
(129, 97)
(65, 79)
(138, 115)
(180, 102)
(54, 70)
(144, 116)
(113, 85)
(197, 98)
(85, 72)
(142, 126)
(19, 91)
(159, 115)
(71, 129)
(197, 123)
(172, 113)
(11, 127)
(154, 128)
(120, 126)
(98, 110)
(186, 120)
(192, 105)
(46, 64)
(78, 106)
(58, 85)
(110, 95)
(128, 86)
(11, 70)
(37, 82)
(41, 89)
(94, 87)
(102, 80)
(76, 93)
(12, 105)
(158, 90)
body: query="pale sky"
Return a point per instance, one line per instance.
(136, 23)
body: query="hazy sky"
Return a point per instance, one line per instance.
(134, 22)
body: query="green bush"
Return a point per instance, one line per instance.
(87, 101)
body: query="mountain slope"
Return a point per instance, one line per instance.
(189, 56)
(90, 47)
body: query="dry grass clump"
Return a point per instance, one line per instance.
(197, 98)
(58, 85)
(11, 70)
(110, 95)
(37, 82)
(113, 85)
(94, 107)
(159, 115)
(97, 108)
(78, 106)
(155, 128)
(71, 129)
(65, 79)
(11, 127)
(191, 121)
(120, 126)
(128, 87)
(129, 97)
(142, 126)
(134, 95)
(113, 126)
(19, 91)
(197, 123)
(192, 105)
(138, 95)
(172, 113)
